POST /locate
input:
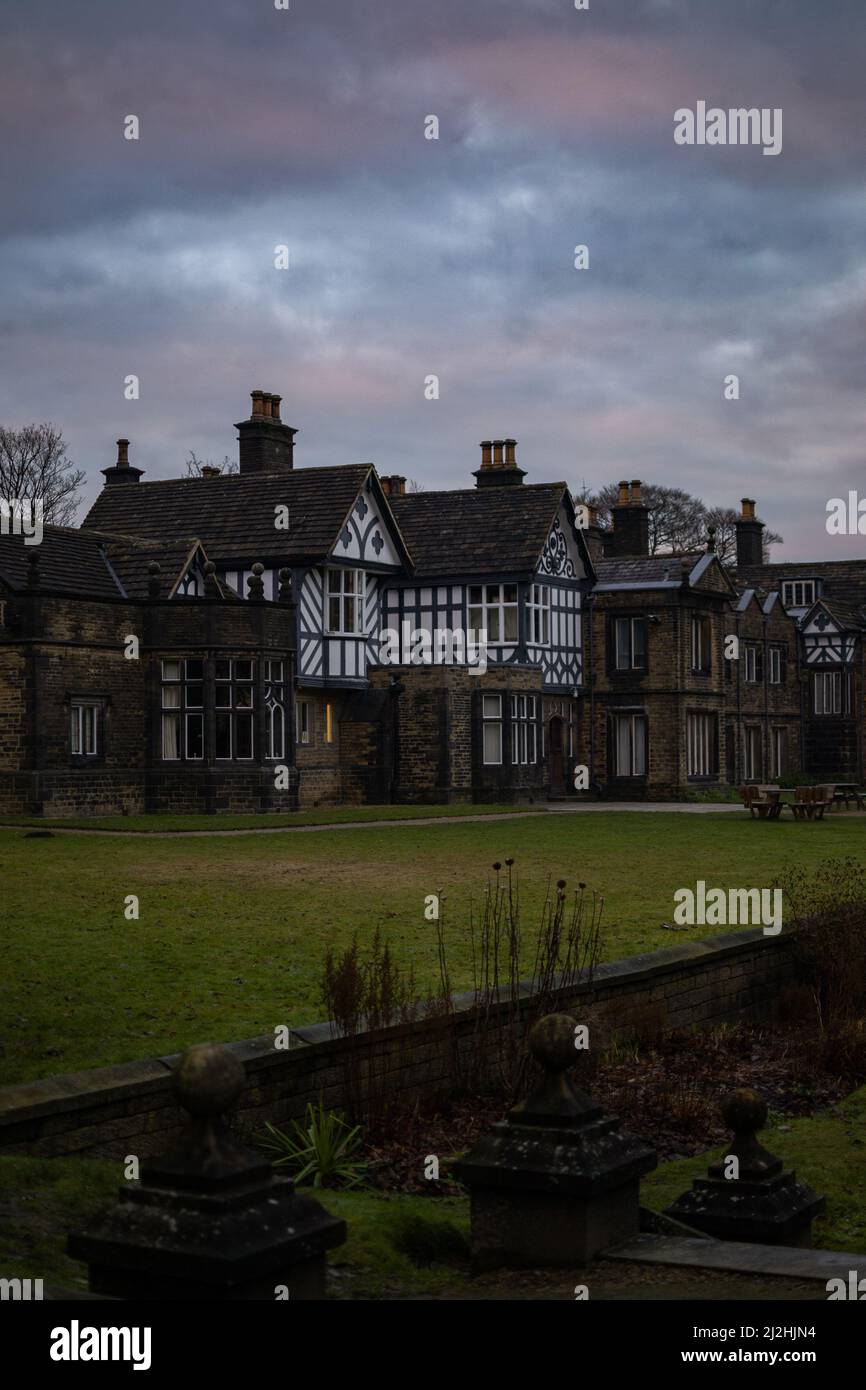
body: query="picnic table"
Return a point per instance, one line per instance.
(849, 791)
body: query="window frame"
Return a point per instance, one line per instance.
(538, 605)
(342, 597)
(790, 587)
(304, 724)
(632, 623)
(494, 722)
(702, 744)
(78, 707)
(479, 611)
(701, 644)
(633, 717)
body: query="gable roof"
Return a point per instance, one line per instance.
(92, 564)
(69, 561)
(233, 514)
(846, 615)
(486, 530)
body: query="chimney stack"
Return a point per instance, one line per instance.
(501, 469)
(393, 485)
(750, 545)
(630, 533)
(266, 445)
(122, 471)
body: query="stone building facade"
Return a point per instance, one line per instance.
(309, 637)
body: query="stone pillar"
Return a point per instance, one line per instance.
(747, 1195)
(211, 1220)
(556, 1182)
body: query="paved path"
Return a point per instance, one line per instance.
(585, 808)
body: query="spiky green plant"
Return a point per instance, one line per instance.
(320, 1149)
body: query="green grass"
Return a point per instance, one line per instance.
(326, 815)
(415, 1246)
(232, 932)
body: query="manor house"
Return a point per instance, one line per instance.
(216, 643)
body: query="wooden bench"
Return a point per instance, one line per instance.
(810, 803)
(758, 802)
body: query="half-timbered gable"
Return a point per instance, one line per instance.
(508, 562)
(830, 633)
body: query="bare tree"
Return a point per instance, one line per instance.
(725, 520)
(195, 467)
(34, 465)
(677, 520)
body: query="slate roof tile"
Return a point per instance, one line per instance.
(233, 515)
(473, 531)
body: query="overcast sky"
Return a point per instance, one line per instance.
(411, 257)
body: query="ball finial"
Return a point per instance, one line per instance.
(744, 1110)
(208, 1080)
(551, 1042)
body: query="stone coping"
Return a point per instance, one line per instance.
(123, 1080)
(739, 1257)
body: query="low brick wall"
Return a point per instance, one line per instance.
(128, 1108)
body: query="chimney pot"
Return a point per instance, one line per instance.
(275, 406)
(393, 485)
(497, 453)
(486, 459)
(258, 403)
(635, 492)
(748, 508)
(123, 453)
(623, 498)
(510, 458)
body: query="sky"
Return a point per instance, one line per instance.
(411, 257)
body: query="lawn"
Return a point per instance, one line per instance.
(233, 930)
(270, 820)
(417, 1246)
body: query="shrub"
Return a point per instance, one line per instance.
(321, 1150)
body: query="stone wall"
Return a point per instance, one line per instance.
(128, 1108)
(55, 650)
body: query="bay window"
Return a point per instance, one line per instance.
(183, 709)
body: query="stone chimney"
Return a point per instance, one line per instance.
(498, 464)
(122, 471)
(393, 485)
(266, 444)
(630, 533)
(750, 545)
